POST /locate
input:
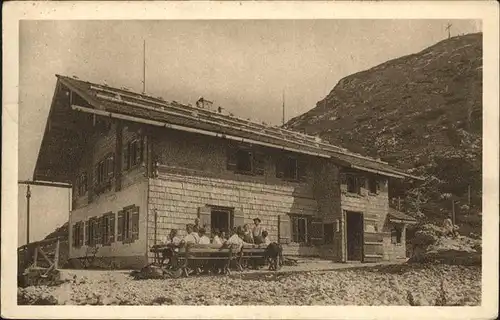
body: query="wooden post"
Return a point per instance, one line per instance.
(35, 256)
(453, 211)
(56, 255)
(468, 195)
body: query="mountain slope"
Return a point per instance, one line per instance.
(421, 112)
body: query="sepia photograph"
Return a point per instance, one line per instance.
(251, 162)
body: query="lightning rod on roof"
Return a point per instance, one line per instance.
(283, 106)
(144, 68)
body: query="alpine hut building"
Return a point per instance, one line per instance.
(141, 166)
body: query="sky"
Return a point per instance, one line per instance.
(244, 66)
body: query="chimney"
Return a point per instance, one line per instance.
(204, 104)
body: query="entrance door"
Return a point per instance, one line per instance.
(221, 219)
(354, 236)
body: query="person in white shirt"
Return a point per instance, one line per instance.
(236, 238)
(203, 238)
(217, 239)
(191, 237)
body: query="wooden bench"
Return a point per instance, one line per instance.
(253, 255)
(198, 256)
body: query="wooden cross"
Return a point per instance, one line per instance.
(448, 26)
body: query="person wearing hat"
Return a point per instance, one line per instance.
(257, 231)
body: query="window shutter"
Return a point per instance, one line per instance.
(204, 214)
(260, 163)
(343, 178)
(120, 221)
(73, 235)
(283, 229)
(110, 166)
(141, 148)
(134, 225)
(316, 231)
(95, 223)
(87, 237)
(231, 158)
(239, 218)
(111, 230)
(80, 233)
(301, 170)
(280, 168)
(126, 152)
(362, 182)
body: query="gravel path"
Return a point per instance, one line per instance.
(382, 285)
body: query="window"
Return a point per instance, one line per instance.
(290, 168)
(329, 233)
(108, 228)
(396, 233)
(245, 160)
(128, 224)
(299, 228)
(78, 234)
(133, 154)
(104, 173)
(373, 185)
(82, 184)
(92, 232)
(353, 185)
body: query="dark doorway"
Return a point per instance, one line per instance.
(354, 236)
(221, 219)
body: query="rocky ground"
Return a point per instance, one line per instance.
(379, 285)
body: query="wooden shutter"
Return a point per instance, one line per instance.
(239, 218)
(141, 149)
(134, 225)
(204, 214)
(95, 223)
(87, 237)
(73, 235)
(280, 167)
(110, 166)
(231, 158)
(111, 230)
(301, 170)
(259, 163)
(126, 153)
(80, 233)
(316, 231)
(283, 229)
(120, 221)
(343, 178)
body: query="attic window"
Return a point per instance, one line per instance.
(373, 185)
(353, 185)
(290, 168)
(244, 159)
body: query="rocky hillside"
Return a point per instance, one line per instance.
(422, 113)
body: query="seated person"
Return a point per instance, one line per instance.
(265, 238)
(247, 234)
(217, 237)
(203, 238)
(191, 237)
(236, 238)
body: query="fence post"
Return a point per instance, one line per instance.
(56, 255)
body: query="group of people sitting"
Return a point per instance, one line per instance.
(241, 235)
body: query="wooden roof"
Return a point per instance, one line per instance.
(113, 102)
